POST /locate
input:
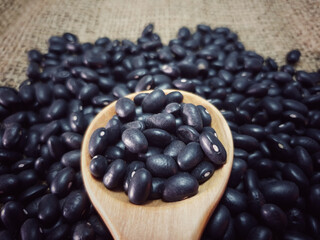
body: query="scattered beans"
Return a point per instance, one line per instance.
(275, 108)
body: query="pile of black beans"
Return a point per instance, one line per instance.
(156, 147)
(273, 112)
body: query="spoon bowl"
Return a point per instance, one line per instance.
(157, 219)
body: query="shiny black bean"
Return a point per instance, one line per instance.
(272, 106)
(135, 140)
(75, 205)
(165, 121)
(174, 148)
(115, 174)
(243, 223)
(191, 116)
(252, 130)
(235, 201)
(305, 78)
(114, 152)
(157, 187)
(290, 104)
(7, 156)
(218, 222)
(282, 193)
(9, 183)
(203, 171)
(56, 147)
(282, 77)
(72, 140)
(9, 97)
(130, 171)
(12, 215)
(213, 148)
(83, 231)
(145, 83)
(30, 230)
(279, 147)
(78, 122)
(49, 209)
(43, 93)
(273, 217)
(313, 226)
(260, 233)
(95, 57)
(32, 192)
(154, 102)
(27, 93)
(157, 137)
(308, 143)
(59, 232)
(184, 84)
(98, 166)
(239, 168)
(162, 166)
(313, 199)
(296, 219)
(205, 115)
(187, 134)
(62, 182)
(293, 173)
(179, 187)
(293, 56)
(57, 109)
(71, 159)
(139, 98)
(11, 135)
(120, 90)
(140, 186)
(190, 156)
(52, 128)
(23, 164)
(98, 142)
(125, 108)
(174, 97)
(27, 178)
(173, 108)
(304, 160)
(99, 227)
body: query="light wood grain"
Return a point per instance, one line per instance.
(157, 219)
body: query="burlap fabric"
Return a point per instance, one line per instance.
(271, 28)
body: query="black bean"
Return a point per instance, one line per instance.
(135, 140)
(218, 222)
(99, 227)
(259, 233)
(213, 148)
(314, 196)
(293, 173)
(32, 192)
(98, 166)
(49, 209)
(174, 97)
(296, 219)
(62, 182)
(140, 186)
(243, 223)
(179, 187)
(125, 108)
(238, 171)
(30, 230)
(174, 148)
(12, 215)
(305, 78)
(9, 183)
(235, 201)
(190, 156)
(115, 174)
(282, 193)
(71, 159)
(75, 205)
(273, 217)
(154, 102)
(98, 141)
(27, 178)
(157, 187)
(72, 140)
(203, 171)
(173, 108)
(114, 152)
(130, 171)
(293, 56)
(120, 90)
(191, 116)
(162, 166)
(11, 135)
(157, 137)
(279, 147)
(304, 160)
(83, 231)
(205, 115)
(308, 143)
(165, 121)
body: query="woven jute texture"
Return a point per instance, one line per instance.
(271, 28)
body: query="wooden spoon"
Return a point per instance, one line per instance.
(157, 219)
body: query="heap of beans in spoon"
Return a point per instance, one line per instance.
(156, 149)
(273, 112)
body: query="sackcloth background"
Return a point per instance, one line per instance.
(270, 27)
